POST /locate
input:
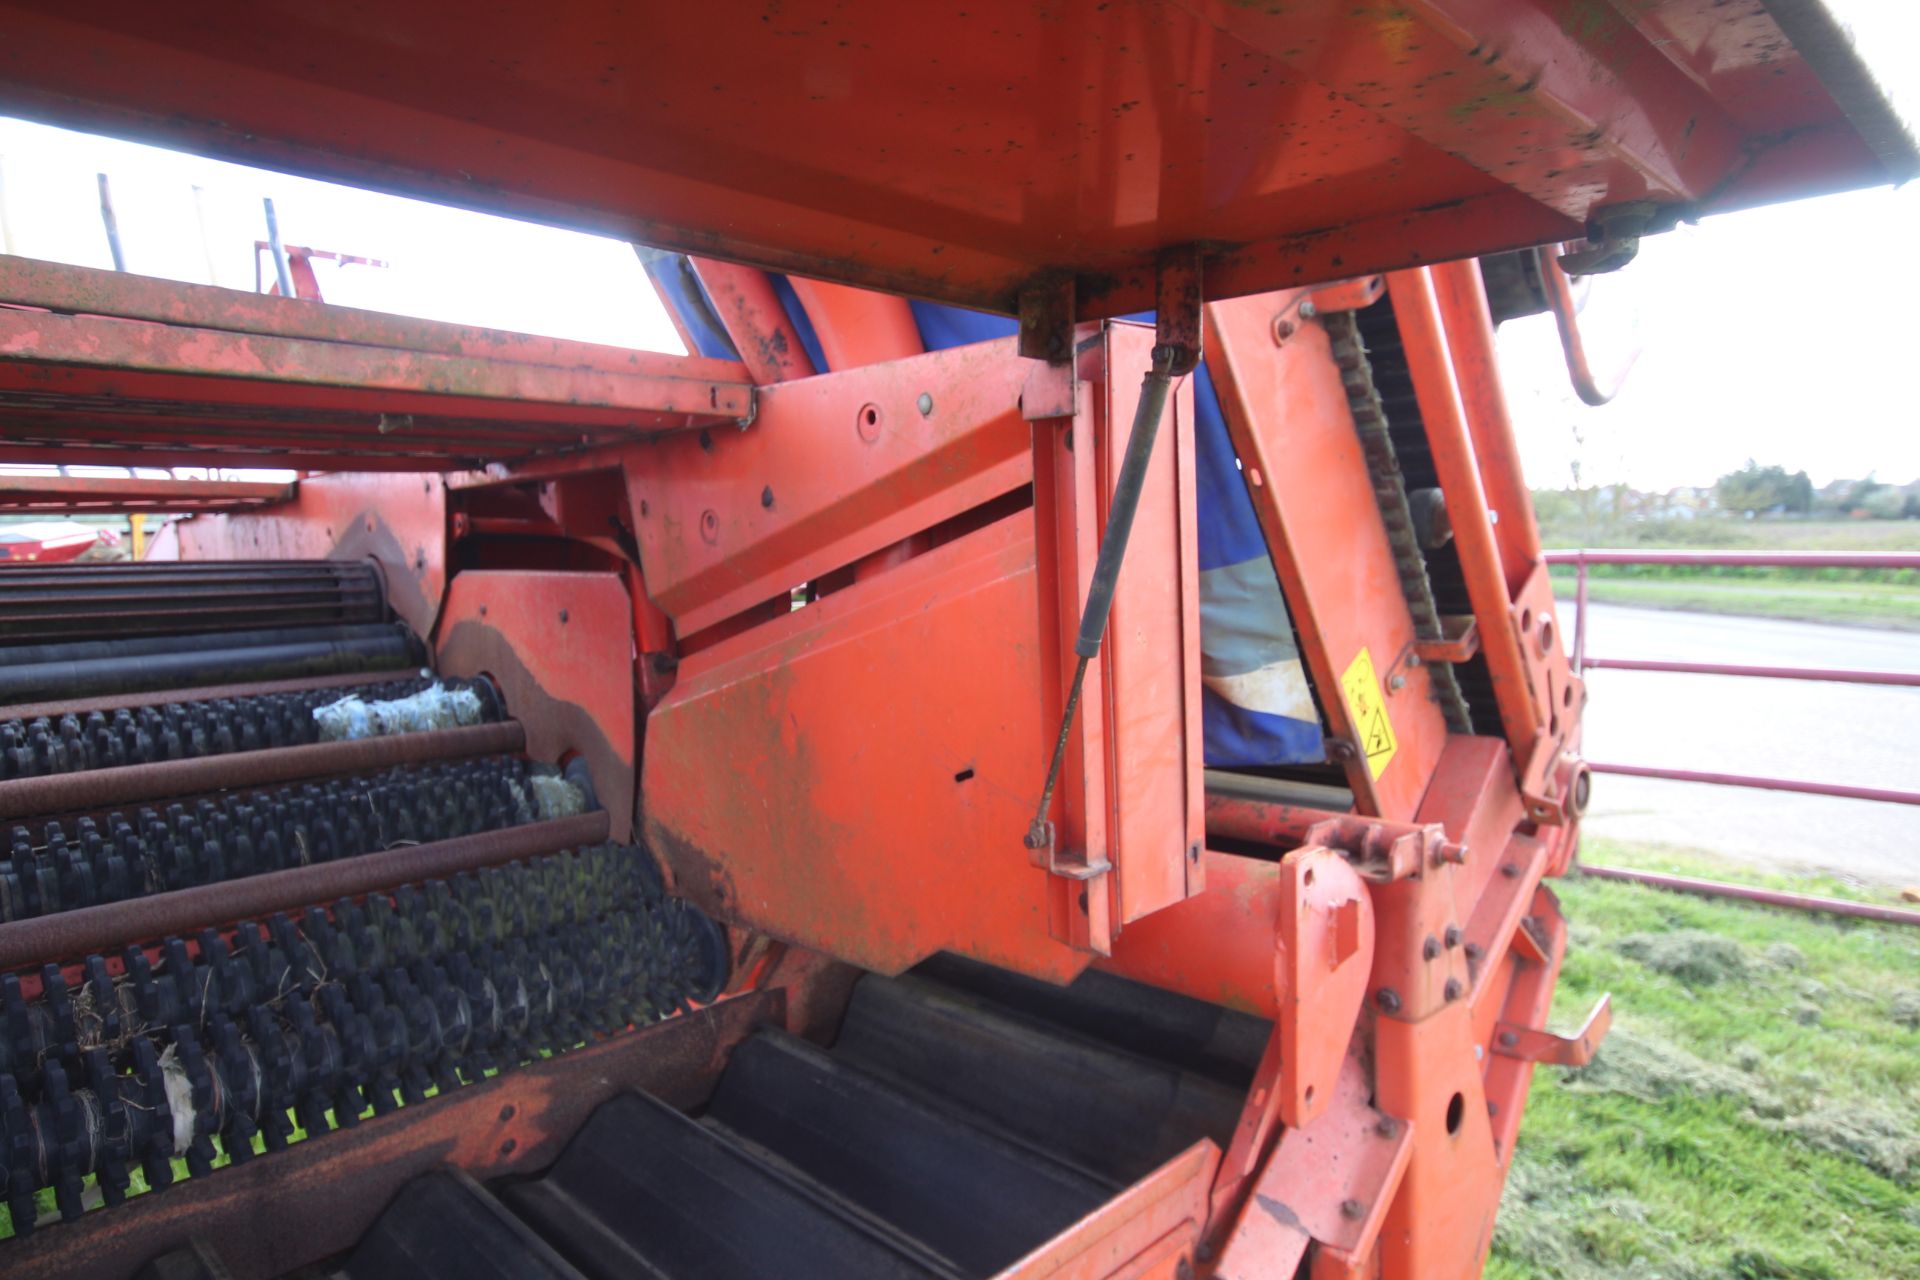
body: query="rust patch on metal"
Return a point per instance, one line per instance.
(554, 727)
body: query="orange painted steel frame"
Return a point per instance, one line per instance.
(830, 647)
(856, 775)
(958, 153)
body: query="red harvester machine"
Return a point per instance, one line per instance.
(968, 786)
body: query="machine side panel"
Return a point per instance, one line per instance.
(1288, 415)
(856, 775)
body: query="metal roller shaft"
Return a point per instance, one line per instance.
(391, 649)
(48, 602)
(64, 866)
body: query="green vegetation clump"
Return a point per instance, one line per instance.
(1716, 1136)
(1695, 956)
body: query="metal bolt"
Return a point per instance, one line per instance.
(1430, 949)
(1340, 749)
(1352, 1209)
(1474, 951)
(1453, 936)
(766, 497)
(563, 615)
(508, 1147)
(1397, 682)
(1509, 869)
(1307, 310)
(1388, 999)
(925, 405)
(506, 1113)
(1493, 1108)
(1454, 990)
(1509, 1039)
(1388, 1127)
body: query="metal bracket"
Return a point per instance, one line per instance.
(1346, 295)
(1178, 303)
(1382, 851)
(1537, 1044)
(1326, 952)
(1613, 235)
(1328, 1184)
(1323, 952)
(1461, 642)
(1051, 391)
(1046, 319)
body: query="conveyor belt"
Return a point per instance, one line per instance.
(212, 949)
(961, 1119)
(111, 736)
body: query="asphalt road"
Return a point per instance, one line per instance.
(1865, 735)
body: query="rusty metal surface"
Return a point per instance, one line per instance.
(297, 1207)
(200, 693)
(106, 495)
(98, 789)
(59, 287)
(71, 935)
(210, 371)
(1114, 130)
(560, 649)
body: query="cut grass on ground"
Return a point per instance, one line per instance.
(1875, 604)
(1755, 1113)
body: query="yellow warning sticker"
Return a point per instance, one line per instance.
(1367, 705)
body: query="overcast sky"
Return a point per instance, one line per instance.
(1783, 334)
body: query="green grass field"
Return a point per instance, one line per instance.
(1755, 1113)
(1871, 604)
(1855, 597)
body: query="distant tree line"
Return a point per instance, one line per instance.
(1755, 490)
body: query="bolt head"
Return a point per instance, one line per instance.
(1430, 949)
(1453, 936)
(1454, 990)
(1388, 999)
(1352, 1209)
